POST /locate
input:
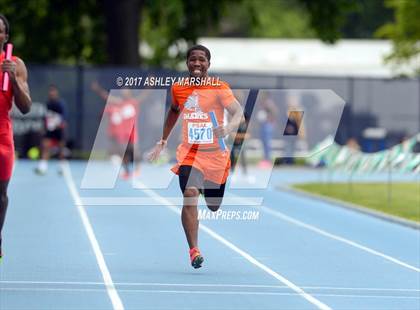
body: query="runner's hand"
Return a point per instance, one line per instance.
(221, 131)
(9, 66)
(157, 149)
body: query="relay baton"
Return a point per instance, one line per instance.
(9, 48)
(215, 125)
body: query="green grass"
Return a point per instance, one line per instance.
(405, 197)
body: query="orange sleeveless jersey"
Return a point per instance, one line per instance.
(195, 103)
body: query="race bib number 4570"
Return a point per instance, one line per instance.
(200, 133)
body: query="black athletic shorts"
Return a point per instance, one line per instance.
(192, 177)
(57, 134)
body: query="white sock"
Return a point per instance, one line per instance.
(43, 165)
(116, 160)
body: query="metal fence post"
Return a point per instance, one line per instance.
(80, 104)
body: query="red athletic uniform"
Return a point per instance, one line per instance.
(122, 120)
(6, 132)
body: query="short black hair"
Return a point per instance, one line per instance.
(5, 22)
(200, 48)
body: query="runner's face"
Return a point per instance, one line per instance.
(198, 63)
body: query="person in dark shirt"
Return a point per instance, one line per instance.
(266, 116)
(294, 127)
(55, 125)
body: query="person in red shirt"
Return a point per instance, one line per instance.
(122, 112)
(203, 166)
(18, 91)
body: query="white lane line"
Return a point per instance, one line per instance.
(205, 292)
(110, 288)
(244, 254)
(338, 238)
(88, 283)
(148, 201)
(317, 230)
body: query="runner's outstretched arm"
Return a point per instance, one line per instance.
(169, 124)
(101, 92)
(170, 121)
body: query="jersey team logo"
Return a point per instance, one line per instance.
(193, 106)
(192, 102)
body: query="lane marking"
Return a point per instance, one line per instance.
(207, 292)
(110, 288)
(252, 202)
(248, 257)
(148, 201)
(336, 237)
(87, 283)
(317, 230)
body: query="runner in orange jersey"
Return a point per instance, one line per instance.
(203, 166)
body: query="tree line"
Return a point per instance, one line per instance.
(110, 32)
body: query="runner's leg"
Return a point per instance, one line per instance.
(190, 180)
(213, 193)
(4, 201)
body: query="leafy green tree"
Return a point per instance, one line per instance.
(265, 19)
(169, 26)
(167, 29)
(327, 17)
(56, 31)
(404, 32)
(365, 18)
(109, 31)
